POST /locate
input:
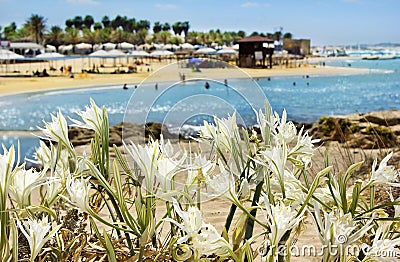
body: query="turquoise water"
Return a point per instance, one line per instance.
(305, 101)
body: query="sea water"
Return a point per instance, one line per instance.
(306, 99)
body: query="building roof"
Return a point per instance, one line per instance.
(255, 39)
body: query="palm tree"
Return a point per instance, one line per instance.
(116, 22)
(97, 26)
(106, 22)
(88, 21)
(130, 25)
(69, 23)
(166, 27)
(157, 27)
(55, 36)
(287, 35)
(185, 28)
(241, 34)
(118, 36)
(36, 26)
(143, 25)
(78, 22)
(177, 28)
(192, 38)
(163, 36)
(72, 36)
(10, 31)
(123, 22)
(88, 36)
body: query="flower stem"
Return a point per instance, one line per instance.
(229, 218)
(253, 212)
(141, 253)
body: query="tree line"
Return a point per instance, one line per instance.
(117, 30)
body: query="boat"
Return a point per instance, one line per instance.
(379, 57)
(371, 57)
(387, 57)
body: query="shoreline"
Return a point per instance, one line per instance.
(16, 85)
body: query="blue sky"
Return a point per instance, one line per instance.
(334, 22)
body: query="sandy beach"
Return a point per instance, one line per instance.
(13, 84)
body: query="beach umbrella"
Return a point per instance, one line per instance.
(83, 46)
(109, 46)
(160, 53)
(50, 56)
(115, 53)
(50, 48)
(187, 46)
(144, 47)
(227, 51)
(138, 53)
(235, 46)
(158, 46)
(206, 51)
(99, 53)
(65, 48)
(97, 47)
(167, 47)
(9, 55)
(125, 45)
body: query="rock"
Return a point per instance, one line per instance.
(382, 118)
(369, 131)
(155, 129)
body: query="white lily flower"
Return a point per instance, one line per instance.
(192, 221)
(223, 133)
(209, 242)
(146, 158)
(382, 248)
(275, 160)
(166, 170)
(294, 194)
(54, 186)
(208, 131)
(81, 164)
(204, 238)
(199, 170)
(35, 232)
(384, 174)
(92, 118)
(167, 149)
(79, 192)
(23, 183)
(43, 155)
(6, 165)
(304, 147)
(280, 218)
(222, 184)
(286, 131)
(57, 129)
(264, 124)
(338, 230)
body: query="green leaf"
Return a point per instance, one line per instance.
(109, 247)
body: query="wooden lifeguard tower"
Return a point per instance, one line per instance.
(253, 51)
